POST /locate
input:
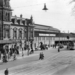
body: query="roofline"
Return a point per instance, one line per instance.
(46, 26)
(42, 25)
(17, 17)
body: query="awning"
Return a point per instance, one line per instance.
(9, 41)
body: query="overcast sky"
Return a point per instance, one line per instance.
(59, 15)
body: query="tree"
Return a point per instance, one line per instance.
(72, 1)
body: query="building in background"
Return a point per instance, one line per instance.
(23, 32)
(5, 22)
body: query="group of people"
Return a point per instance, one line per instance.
(43, 46)
(7, 53)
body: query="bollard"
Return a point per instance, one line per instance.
(6, 72)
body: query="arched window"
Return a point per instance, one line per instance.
(15, 33)
(25, 33)
(20, 34)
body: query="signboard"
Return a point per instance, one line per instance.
(47, 34)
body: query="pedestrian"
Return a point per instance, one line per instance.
(41, 56)
(58, 49)
(14, 56)
(0, 55)
(6, 72)
(8, 55)
(22, 52)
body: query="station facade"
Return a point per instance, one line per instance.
(51, 36)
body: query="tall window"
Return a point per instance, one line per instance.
(8, 16)
(20, 34)
(39, 38)
(15, 33)
(6, 32)
(25, 33)
(5, 1)
(0, 15)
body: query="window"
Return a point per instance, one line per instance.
(20, 34)
(8, 16)
(39, 38)
(18, 21)
(6, 34)
(43, 38)
(35, 38)
(0, 15)
(15, 33)
(13, 20)
(25, 33)
(6, 31)
(5, 1)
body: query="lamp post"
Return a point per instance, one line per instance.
(2, 21)
(1, 27)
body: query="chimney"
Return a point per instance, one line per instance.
(21, 16)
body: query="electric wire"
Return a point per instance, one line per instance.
(28, 6)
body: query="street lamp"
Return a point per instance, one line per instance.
(45, 8)
(2, 22)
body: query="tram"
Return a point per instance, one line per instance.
(70, 45)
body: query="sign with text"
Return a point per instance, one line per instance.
(47, 34)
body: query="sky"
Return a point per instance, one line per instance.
(60, 13)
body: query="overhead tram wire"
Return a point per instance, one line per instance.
(27, 6)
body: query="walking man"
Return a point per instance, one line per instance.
(58, 49)
(0, 55)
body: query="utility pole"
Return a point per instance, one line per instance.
(2, 24)
(1, 27)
